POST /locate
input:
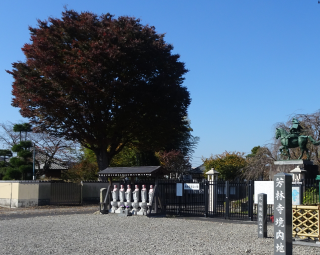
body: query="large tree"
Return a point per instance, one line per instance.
(102, 81)
(228, 164)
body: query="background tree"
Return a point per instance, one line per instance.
(104, 82)
(23, 161)
(254, 151)
(84, 170)
(259, 164)
(49, 148)
(4, 154)
(24, 127)
(174, 161)
(228, 164)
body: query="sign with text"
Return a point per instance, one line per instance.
(191, 186)
(282, 214)
(262, 215)
(266, 187)
(179, 189)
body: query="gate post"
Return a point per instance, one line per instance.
(250, 202)
(227, 200)
(206, 198)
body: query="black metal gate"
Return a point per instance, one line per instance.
(208, 198)
(192, 202)
(230, 199)
(66, 193)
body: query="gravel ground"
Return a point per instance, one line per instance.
(112, 234)
(10, 213)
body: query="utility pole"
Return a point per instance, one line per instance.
(34, 155)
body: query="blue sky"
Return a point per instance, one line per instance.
(252, 63)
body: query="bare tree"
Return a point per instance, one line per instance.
(259, 165)
(49, 149)
(8, 137)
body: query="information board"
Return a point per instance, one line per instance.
(191, 186)
(179, 189)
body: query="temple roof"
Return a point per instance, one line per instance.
(133, 171)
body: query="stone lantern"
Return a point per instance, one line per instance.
(298, 174)
(212, 175)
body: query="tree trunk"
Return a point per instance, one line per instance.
(103, 158)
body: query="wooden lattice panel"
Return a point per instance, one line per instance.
(305, 221)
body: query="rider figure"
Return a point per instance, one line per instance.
(295, 130)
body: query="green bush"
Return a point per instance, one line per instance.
(310, 196)
(12, 174)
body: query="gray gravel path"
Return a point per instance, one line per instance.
(112, 234)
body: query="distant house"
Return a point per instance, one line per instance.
(197, 172)
(50, 168)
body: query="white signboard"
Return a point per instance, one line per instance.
(267, 187)
(191, 186)
(264, 187)
(179, 189)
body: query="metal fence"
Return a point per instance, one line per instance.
(66, 193)
(310, 192)
(230, 200)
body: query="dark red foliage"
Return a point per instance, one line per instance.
(101, 81)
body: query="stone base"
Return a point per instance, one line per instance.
(124, 213)
(143, 210)
(285, 166)
(114, 207)
(135, 209)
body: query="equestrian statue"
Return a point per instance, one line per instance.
(294, 139)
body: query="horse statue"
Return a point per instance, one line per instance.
(293, 141)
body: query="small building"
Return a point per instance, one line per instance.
(56, 168)
(133, 171)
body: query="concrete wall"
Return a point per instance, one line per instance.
(6, 192)
(33, 193)
(19, 194)
(91, 191)
(28, 194)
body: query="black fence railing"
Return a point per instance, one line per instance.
(310, 192)
(230, 200)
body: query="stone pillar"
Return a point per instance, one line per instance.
(212, 182)
(282, 213)
(262, 215)
(103, 194)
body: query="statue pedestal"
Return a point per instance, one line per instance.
(143, 210)
(119, 207)
(135, 209)
(285, 166)
(114, 207)
(125, 213)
